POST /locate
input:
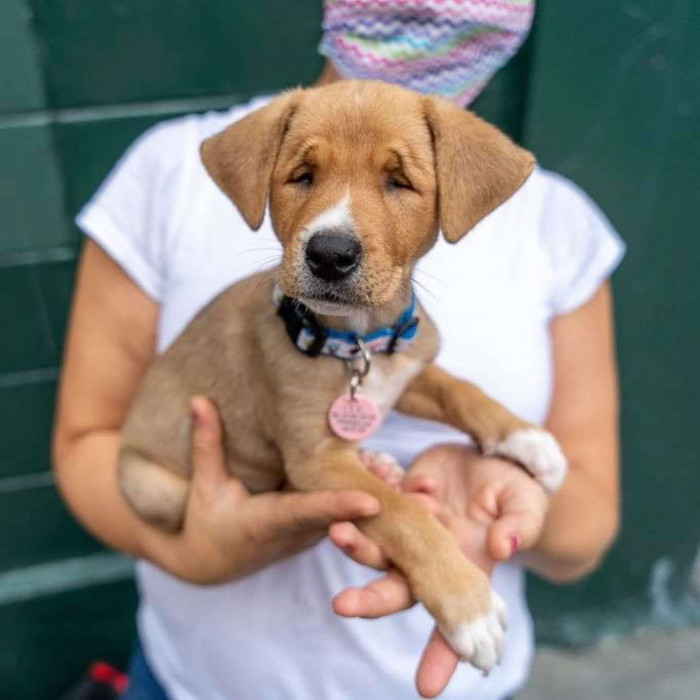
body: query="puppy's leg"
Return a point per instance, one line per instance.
(454, 590)
(158, 495)
(437, 395)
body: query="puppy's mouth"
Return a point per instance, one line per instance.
(330, 304)
(344, 298)
(360, 291)
(335, 299)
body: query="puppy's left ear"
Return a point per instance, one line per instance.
(241, 158)
(478, 167)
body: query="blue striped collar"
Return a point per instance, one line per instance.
(313, 339)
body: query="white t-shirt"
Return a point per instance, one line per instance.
(273, 635)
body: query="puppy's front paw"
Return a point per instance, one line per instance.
(480, 641)
(539, 452)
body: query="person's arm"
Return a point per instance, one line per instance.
(583, 517)
(227, 532)
(491, 505)
(110, 343)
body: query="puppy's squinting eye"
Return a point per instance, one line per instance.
(397, 181)
(303, 177)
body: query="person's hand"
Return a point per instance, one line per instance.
(492, 506)
(229, 533)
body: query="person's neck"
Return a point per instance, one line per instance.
(329, 74)
(366, 320)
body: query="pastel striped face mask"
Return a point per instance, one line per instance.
(449, 48)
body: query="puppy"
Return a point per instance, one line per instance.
(360, 178)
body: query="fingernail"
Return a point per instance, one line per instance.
(515, 543)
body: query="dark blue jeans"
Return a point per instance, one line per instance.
(143, 685)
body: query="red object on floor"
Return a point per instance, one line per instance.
(101, 672)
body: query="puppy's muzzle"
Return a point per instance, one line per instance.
(333, 257)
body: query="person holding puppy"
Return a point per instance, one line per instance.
(523, 306)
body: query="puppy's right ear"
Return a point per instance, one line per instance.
(477, 167)
(241, 158)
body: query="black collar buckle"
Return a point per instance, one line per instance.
(298, 317)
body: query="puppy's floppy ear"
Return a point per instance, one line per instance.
(241, 158)
(478, 167)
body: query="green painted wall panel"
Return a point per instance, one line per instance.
(55, 281)
(36, 300)
(26, 415)
(47, 644)
(614, 104)
(41, 529)
(31, 193)
(135, 50)
(20, 74)
(27, 339)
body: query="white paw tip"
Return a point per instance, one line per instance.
(539, 452)
(383, 465)
(378, 458)
(480, 642)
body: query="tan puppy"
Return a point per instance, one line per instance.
(360, 177)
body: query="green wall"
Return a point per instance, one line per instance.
(605, 93)
(614, 104)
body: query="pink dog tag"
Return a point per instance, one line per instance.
(354, 419)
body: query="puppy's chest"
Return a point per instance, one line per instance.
(388, 378)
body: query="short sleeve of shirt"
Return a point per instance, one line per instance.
(581, 245)
(129, 216)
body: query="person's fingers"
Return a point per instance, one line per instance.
(509, 534)
(385, 596)
(417, 482)
(519, 524)
(209, 471)
(302, 512)
(436, 667)
(350, 540)
(422, 488)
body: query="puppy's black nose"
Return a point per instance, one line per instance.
(333, 256)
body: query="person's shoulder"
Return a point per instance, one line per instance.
(579, 243)
(557, 208)
(172, 140)
(549, 193)
(210, 123)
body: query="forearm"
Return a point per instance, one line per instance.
(86, 471)
(109, 348)
(228, 534)
(584, 515)
(581, 524)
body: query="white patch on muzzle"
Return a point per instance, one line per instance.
(337, 216)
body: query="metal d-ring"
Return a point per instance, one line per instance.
(366, 357)
(357, 375)
(355, 381)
